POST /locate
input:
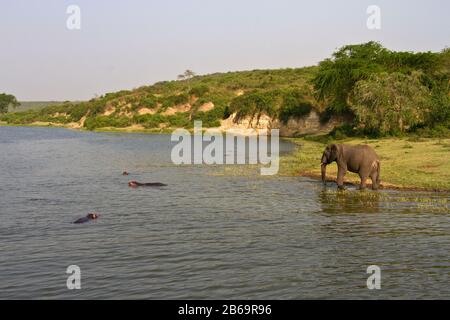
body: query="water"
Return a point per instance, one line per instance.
(209, 234)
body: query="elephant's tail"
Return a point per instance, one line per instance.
(378, 172)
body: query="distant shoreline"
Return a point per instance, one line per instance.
(130, 129)
(106, 129)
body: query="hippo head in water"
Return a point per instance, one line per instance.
(133, 184)
(89, 217)
(125, 173)
(92, 216)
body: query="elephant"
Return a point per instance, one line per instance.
(361, 159)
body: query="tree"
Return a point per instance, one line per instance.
(439, 114)
(388, 103)
(6, 101)
(445, 60)
(187, 75)
(337, 76)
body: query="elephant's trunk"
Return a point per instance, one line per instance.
(324, 172)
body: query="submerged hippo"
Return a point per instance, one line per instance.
(125, 173)
(89, 217)
(135, 184)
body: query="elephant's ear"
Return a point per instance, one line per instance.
(335, 151)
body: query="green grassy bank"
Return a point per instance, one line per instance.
(409, 163)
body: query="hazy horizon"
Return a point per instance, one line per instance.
(124, 45)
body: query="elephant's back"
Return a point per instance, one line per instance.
(368, 151)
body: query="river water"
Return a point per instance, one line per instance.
(213, 232)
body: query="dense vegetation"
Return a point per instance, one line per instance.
(386, 92)
(382, 92)
(7, 101)
(276, 92)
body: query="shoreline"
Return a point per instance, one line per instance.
(303, 160)
(106, 129)
(135, 128)
(383, 185)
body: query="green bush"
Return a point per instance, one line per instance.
(92, 123)
(78, 111)
(439, 107)
(210, 118)
(149, 102)
(174, 100)
(254, 103)
(343, 131)
(150, 121)
(179, 120)
(438, 131)
(390, 104)
(25, 117)
(294, 105)
(199, 90)
(300, 110)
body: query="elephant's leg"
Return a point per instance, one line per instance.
(364, 173)
(340, 178)
(362, 185)
(374, 178)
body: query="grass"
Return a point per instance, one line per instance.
(405, 164)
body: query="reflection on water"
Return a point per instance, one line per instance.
(356, 201)
(353, 201)
(208, 234)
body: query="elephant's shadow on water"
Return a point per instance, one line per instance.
(349, 201)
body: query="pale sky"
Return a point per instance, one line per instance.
(126, 44)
